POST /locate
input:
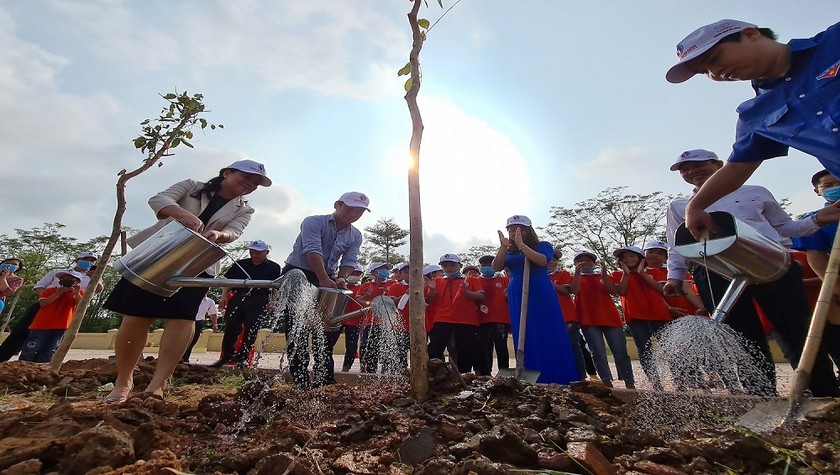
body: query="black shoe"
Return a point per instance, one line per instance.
(219, 363)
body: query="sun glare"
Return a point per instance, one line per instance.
(472, 177)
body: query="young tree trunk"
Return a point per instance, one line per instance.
(116, 230)
(419, 354)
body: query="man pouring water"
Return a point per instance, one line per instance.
(325, 251)
(783, 300)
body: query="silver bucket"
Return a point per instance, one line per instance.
(736, 250)
(174, 251)
(330, 304)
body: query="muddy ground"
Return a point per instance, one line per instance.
(209, 422)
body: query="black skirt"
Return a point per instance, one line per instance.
(128, 299)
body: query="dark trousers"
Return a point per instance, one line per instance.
(242, 315)
(490, 335)
(199, 327)
(20, 333)
(642, 331)
(785, 306)
(351, 345)
(298, 351)
(466, 342)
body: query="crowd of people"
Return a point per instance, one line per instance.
(470, 310)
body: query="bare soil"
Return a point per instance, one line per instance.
(210, 422)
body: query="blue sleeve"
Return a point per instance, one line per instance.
(310, 236)
(545, 248)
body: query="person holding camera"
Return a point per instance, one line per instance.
(20, 333)
(57, 305)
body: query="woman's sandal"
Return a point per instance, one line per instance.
(119, 397)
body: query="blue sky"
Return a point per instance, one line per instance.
(527, 105)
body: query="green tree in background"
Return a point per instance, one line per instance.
(608, 221)
(382, 239)
(474, 253)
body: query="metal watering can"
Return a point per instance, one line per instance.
(737, 252)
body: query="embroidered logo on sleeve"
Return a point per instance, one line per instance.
(830, 72)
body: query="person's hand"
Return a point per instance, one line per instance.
(341, 282)
(699, 223)
(327, 282)
(604, 269)
(624, 267)
(464, 285)
(641, 267)
(677, 312)
(430, 282)
(517, 237)
(504, 242)
(4, 273)
(368, 293)
(829, 214)
(76, 289)
(213, 236)
(672, 288)
(578, 267)
(215, 328)
(190, 221)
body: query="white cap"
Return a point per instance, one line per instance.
(252, 167)
(376, 265)
(585, 253)
(519, 220)
(355, 199)
(400, 266)
(655, 245)
(698, 155)
(259, 245)
(358, 268)
(449, 258)
(71, 273)
(87, 255)
(431, 268)
(621, 250)
(700, 41)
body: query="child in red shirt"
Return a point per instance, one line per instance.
(645, 309)
(53, 319)
(599, 318)
(494, 319)
(351, 325)
(371, 333)
(562, 280)
(456, 314)
(399, 291)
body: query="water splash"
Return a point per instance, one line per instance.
(385, 351)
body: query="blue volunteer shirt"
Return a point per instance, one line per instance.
(318, 234)
(800, 110)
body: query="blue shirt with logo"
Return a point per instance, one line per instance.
(821, 240)
(799, 110)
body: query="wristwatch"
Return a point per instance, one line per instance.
(816, 220)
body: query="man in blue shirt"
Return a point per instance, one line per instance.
(817, 248)
(797, 101)
(325, 251)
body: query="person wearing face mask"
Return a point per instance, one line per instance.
(817, 247)
(494, 318)
(351, 325)
(399, 292)
(57, 305)
(371, 332)
(9, 281)
(456, 313)
(547, 348)
(20, 333)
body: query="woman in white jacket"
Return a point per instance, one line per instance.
(217, 211)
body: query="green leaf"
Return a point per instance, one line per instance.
(405, 70)
(170, 96)
(186, 143)
(175, 142)
(440, 2)
(423, 23)
(139, 142)
(203, 123)
(188, 135)
(221, 126)
(212, 127)
(408, 84)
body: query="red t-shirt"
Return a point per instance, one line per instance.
(567, 304)
(453, 306)
(677, 301)
(495, 299)
(641, 301)
(594, 306)
(431, 308)
(57, 315)
(397, 290)
(376, 289)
